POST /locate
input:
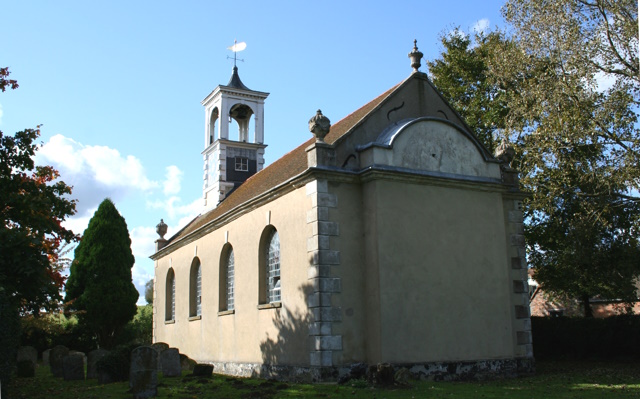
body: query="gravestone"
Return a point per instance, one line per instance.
(186, 363)
(26, 369)
(28, 353)
(73, 367)
(170, 363)
(160, 347)
(84, 356)
(45, 357)
(143, 376)
(55, 360)
(92, 362)
(202, 370)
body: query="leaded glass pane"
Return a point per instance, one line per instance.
(273, 268)
(173, 297)
(198, 290)
(230, 280)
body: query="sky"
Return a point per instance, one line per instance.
(117, 86)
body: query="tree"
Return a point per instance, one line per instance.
(100, 286)
(577, 140)
(148, 292)
(33, 205)
(461, 75)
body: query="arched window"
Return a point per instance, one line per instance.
(170, 297)
(227, 273)
(270, 286)
(195, 289)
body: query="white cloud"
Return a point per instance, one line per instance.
(173, 210)
(95, 172)
(172, 182)
(480, 26)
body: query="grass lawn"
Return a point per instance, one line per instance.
(552, 380)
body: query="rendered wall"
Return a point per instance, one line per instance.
(438, 274)
(249, 335)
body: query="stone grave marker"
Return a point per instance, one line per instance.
(203, 370)
(73, 367)
(92, 362)
(28, 353)
(45, 357)
(55, 360)
(170, 363)
(160, 347)
(26, 369)
(143, 376)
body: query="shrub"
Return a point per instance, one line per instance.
(116, 364)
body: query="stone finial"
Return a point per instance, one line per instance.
(505, 152)
(319, 125)
(415, 56)
(161, 228)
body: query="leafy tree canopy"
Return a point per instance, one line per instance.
(33, 204)
(100, 286)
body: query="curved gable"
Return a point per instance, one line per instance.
(430, 145)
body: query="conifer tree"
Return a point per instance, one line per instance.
(100, 287)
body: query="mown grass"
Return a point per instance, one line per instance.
(553, 380)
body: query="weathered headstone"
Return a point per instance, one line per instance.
(187, 363)
(202, 370)
(28, 353)
(45, 357)
(73, 367)
(55, 360)
(143, 376)
(92, 362)
(26, 369)
(170, 363)
(84, 356)
(160, 347)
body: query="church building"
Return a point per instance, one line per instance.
(392, 236)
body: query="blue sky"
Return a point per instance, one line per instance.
(117, 85)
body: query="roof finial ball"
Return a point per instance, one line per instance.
(415, 57)
(319, 125)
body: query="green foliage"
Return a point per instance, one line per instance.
(117, 363)
(462, 76)
(33, 205)
(140, 329)
(9, 340)
(577, 141)
(579, 338)
(148, 292)
(100, 288)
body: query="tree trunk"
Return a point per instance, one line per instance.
(588, 312)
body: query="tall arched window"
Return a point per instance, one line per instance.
(227, 273)
(170, 297)
(195, 289)
(270, 285)
(273, 268)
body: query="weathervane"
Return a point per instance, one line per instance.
(237, 47)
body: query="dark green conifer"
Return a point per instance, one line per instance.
(100, 287)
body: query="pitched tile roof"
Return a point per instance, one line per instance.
(283, 169)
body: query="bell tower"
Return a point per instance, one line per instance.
(233, 138)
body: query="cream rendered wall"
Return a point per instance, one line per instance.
(249, 335)
(438, 274)
(351, 299)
